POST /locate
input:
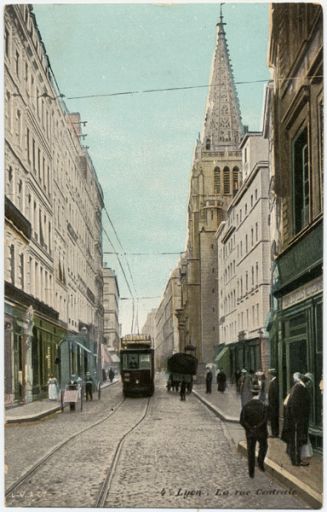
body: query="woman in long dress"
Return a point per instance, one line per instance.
(53, 388)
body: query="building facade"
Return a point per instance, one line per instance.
(243, 241)
(296, 58)
(215, 179)
(111, 297)
(166, 324)
(149, 327)
(53, 203)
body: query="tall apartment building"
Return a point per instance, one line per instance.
(296, 59)
(244, 265)
(53, 203)
(167, 336)
(215, 179)
(111, 309)
(149, 327)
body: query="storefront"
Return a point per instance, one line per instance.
(31, 334)
(296, 332)
(76, 355)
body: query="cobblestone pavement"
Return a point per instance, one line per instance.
(195, 465)
(178, 457)
(26, 443)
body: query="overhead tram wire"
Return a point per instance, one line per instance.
(166, 89)
(129, 270)
(122, 248)
(184, 88)
(147, 253)
(125, 277)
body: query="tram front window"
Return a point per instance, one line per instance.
(144, 361)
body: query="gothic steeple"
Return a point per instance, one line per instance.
(222, 125)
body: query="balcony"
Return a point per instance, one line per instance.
(12, 213)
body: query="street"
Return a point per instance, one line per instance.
(177, 456)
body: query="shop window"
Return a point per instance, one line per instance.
(301, 187)
(297, 358)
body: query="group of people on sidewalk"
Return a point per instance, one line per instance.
(75, 382)
(220, 378)
(258, 409)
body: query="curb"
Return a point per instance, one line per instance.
(313, 498)
(215, 410)
(33, 417)
(48, 412)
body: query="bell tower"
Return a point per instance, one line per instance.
(215, 179)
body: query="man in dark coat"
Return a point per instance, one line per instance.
(208, 380)
(254, 417)
(89, 386)
(221, 381)
(273, 403)
(297, 416)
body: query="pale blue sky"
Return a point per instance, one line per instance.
(142, 145)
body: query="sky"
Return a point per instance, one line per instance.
(142, 144)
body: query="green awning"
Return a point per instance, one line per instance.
(221, 354)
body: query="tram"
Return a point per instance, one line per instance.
(137, 365)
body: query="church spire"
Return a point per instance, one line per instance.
(223, 125)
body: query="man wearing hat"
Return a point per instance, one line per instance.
(297, 417)
(254, 417)
(273, 403)
(245, 387)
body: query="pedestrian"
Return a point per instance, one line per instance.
(183, 389)
(273, 403)
(261, 380)
(89, 386)
(238, 379)
(296, 421)
(221, 380)
(245, 387)
(208, 380)
(254, 417)
(52, 388)
(111, 374)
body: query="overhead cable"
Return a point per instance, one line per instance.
(188, 87)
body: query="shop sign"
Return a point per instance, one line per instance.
(301, 294)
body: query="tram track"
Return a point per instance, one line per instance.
(30, 471)
(104, 491)
(29, 483)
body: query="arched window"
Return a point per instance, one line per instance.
(226, 180)
(208, 144)
(217, 180)
(235, 179)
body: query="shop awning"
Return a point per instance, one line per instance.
(83, 347)
(221, 354)
(104, 355)
(114, 358)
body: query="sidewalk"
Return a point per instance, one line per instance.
(306, 480)
(38, 409)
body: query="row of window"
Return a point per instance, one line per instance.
(244, 285)
(249, 319)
